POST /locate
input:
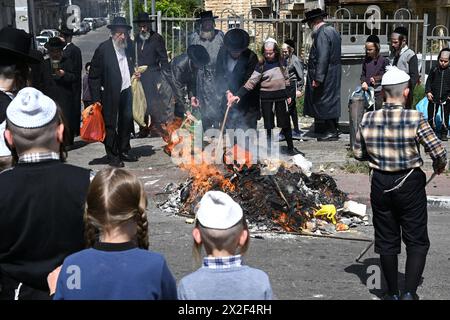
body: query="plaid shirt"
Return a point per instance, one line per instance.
(222, 262)
(38, 157)
(389, 139)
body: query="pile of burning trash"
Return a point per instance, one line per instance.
(275, 196)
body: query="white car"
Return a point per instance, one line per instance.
(49, 33)
(40, 43)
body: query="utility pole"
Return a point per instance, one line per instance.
(153, 14)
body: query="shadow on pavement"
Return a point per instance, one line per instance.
(142, 151)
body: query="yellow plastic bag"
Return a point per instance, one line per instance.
(328, 211)
(139, 101)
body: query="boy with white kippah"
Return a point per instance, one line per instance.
(41, 201)
(389, 139)
(221, 228)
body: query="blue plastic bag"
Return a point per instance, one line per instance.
(422, 106)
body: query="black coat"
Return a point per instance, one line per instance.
(324, 66)
(61, 90)
(73, 53)
(248, 106)
(105, 73)
(5, 100)
(183, 77)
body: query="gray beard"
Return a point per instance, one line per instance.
(144, 36)
(207, 35)
(119, 45)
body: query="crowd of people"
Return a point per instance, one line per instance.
(40, 102)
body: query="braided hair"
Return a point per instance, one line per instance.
(115, 197)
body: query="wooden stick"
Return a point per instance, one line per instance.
(222, 128)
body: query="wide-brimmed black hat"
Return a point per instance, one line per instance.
(119, 22)
(401, 30)
(15, 44)
(143, 17)
(206, 15)
(290, 43)
(373, 38)
(236, 40)
(55, 43)
(198, 55)
(66, 31)
(314, 14)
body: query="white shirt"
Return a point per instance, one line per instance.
(124, 71)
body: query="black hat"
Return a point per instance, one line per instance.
(206, 15)
(55, 43)
(119, 22)
(290, 43)
(401, 30)
(66, 31)
(15, 44)
(373, 38)
(236, 40)
(143, 17)
(314, 14)
(198, 55)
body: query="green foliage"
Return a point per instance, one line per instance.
(354, 166)
(299, 103)
(419, 94)
(177, 7)
(138, 6)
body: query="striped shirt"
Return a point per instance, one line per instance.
(389, 139)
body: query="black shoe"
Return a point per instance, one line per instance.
(116, 162)
(294, 151)
(409, 296)
(127, 157)
(329, 136)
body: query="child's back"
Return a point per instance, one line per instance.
(234, 283)
(115, 271)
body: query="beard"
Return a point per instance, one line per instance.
(120, 44)
(144, 35)
(207, 35)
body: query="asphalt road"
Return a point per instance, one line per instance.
(299, 267)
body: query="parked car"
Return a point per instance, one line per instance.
(91, 23)
(40, 43)
(49, 33)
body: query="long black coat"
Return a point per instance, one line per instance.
(105, 73)
(324, 66)
(184, 78)
(152, 53)
(61, 91)
(73, 53)
(248, 106)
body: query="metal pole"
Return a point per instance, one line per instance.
(153, 13)
(31, 21)
(130, 2)
(424, 45)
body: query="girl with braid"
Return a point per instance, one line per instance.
(117, 264)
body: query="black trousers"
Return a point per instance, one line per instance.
(433, 109)
(399, 214)
(118, 139)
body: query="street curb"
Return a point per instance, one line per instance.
(442, 202)
(439, 201)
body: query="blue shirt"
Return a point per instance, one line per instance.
(111, 271)
(225, 278)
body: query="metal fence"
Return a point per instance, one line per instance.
(176, 29)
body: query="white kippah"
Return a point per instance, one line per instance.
(31, 109)
(4, 151)
(269, 43)
(394, 75)
(218, 211)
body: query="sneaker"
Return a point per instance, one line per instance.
(296, 134)
(294, 151)
(281, 137)
(389, 296)
(409, 296)
(444, 135)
